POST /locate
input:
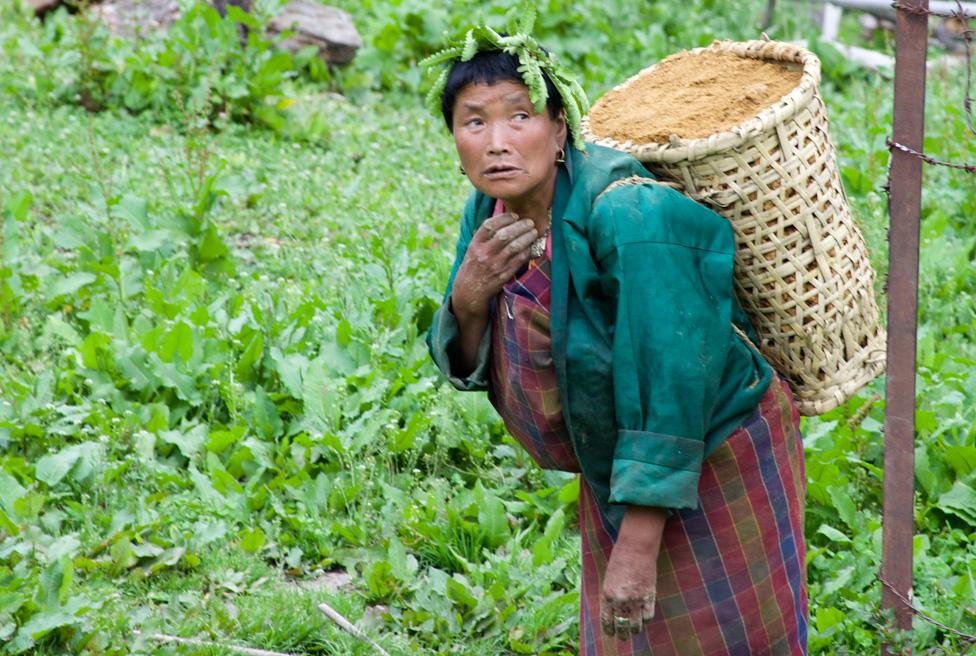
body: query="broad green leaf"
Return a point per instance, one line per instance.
(569, 493)
(252, 540)
(220, 440)
(7, 525)
(844, 504)
(153, 240)
(291, 368)
(931, 470)
(134, 209)
(205, 488)
(10, 492)
(57, 326)
(65, 547)
(249, 359)
(458, 590)
(960, 501)
(211, 246)
(491, 517)
(188, 441)
(320, 392)
(267, 422)
(70, 284)
(40, 625)
(10, 602)
(51, 469)
(828, 618)
(169, 375)
(10, 246)
(55, 582)
(122, 554)
(100, 314)
(178, 341)
(961, 458)
(833, 534)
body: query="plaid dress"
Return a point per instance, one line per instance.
(730, 574)
(523, 379)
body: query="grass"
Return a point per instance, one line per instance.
(190, 437)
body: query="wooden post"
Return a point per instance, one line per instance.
(904, 208)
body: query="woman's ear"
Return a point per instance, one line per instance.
(561, 128)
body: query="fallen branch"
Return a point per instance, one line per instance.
(348, 626)
(247, 651)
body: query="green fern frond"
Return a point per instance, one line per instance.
(532, 76)
(470, 46)
(433, 99)
(527, 20)
(441, 57)
(493, 37)
(534, 64)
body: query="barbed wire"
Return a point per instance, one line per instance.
(964, 19)
(920, 613)
(894, 145)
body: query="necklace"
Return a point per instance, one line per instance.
(538, 247)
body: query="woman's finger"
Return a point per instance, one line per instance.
(606, 619)
(626, 627)
(647, 609)
(493, 224)
(622, 619)
(505, 235)
(520, 245)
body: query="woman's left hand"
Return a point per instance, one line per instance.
(630, 582)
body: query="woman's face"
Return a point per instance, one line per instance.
(507, 149)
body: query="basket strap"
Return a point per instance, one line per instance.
(745, 338)
(635, 180)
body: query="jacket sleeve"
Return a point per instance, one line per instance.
(443, 338)
(668, 275)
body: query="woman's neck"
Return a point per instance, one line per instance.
(535, 208)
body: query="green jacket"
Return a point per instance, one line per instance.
(651, 375)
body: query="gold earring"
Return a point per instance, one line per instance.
(561, 156)
(461, 169)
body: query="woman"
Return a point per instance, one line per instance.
(596, 308)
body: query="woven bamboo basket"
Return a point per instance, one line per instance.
(801, 271)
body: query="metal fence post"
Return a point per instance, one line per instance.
(904, 208)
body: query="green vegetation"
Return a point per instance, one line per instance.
(214, 394)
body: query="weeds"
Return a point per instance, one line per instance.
(215, 384)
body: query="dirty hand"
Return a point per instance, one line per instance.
(497, 251)
(630, 582)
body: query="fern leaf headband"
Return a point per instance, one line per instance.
(533, 62)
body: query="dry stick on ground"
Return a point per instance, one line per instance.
(348, 626)
(247, 651)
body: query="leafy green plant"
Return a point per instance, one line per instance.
(215, 400)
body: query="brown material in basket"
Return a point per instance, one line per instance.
(802, 270)
(692, 96)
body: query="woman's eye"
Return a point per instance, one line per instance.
(473, 122)
(522, 116)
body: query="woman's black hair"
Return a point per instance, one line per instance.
(490, 67)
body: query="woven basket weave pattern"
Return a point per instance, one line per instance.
(802, 269)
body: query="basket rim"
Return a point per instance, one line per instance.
(677, 150)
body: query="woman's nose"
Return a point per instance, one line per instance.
(498, 139)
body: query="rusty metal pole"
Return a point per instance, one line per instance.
(904, 209)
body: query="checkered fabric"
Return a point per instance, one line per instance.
(731, 576)
(523, 378)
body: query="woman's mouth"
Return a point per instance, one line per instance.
(501, 171)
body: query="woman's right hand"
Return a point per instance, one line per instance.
(497, 251)
(499, 248)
